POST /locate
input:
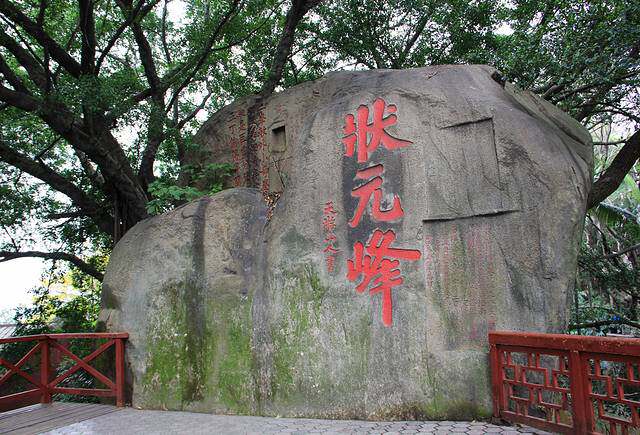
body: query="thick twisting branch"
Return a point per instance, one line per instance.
(76, 261)
(611, 178)
(298, 10)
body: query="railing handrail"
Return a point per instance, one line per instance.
(64, 336)
(567, 342)
(578, 358)
(48, 381)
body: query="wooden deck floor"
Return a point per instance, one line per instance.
(36, 419)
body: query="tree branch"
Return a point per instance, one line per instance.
(76, 261)
(99, 145)
(144, 49)
(137, 13)
(14, 14)
(195, 111)
(604, 323)
(17, 99)
(127, 104)
(57, 182)
(171, 76)
(553, 90)
(20, 38)
(96, 178)
(155, 129)
(163, 34)
(10, 76)
(13, 241)
(609, 181)
(88, 31)
(68, 45)
(206, 51)
(41, 12)
(414, 38)
(47, 149)
(103, 149)
(299, 9)
(66, 215)
(623, 251)
(606, 144)
(614, 80)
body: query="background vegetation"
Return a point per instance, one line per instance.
(99, 100)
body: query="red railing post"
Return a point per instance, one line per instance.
(578, 393)
(496, 379)
(119, 372)
(45, 370)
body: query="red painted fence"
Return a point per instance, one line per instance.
(43, 385)
(566, 383)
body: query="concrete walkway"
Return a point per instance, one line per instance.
(103, 419)
(131, 421)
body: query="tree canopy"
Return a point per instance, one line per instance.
(99, 99)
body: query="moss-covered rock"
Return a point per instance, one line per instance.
(238, 305)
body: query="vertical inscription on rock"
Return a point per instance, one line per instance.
(375, 264)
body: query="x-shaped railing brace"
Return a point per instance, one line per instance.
(15, 369)
(83, 364)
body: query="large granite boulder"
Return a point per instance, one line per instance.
(418, 210)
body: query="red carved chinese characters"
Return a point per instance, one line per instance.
(357, 135)
(237, 132)
(263, 150)
(329, 225)
(376, 264)
(364, 193)
(380, 265)
(257, 133)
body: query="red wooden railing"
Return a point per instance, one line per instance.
(566, 383)
(43, 386)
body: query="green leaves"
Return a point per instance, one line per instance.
(167, 194)
(608, 283)
(205, 55)
(611, 215)
(405, 33)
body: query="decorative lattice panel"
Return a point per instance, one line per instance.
(613, 388)
(536, 385)
(567, 383)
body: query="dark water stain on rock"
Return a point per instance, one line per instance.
(194, 305)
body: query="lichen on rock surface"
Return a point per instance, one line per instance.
(418, 210)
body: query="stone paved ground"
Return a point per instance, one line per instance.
(132, 421)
